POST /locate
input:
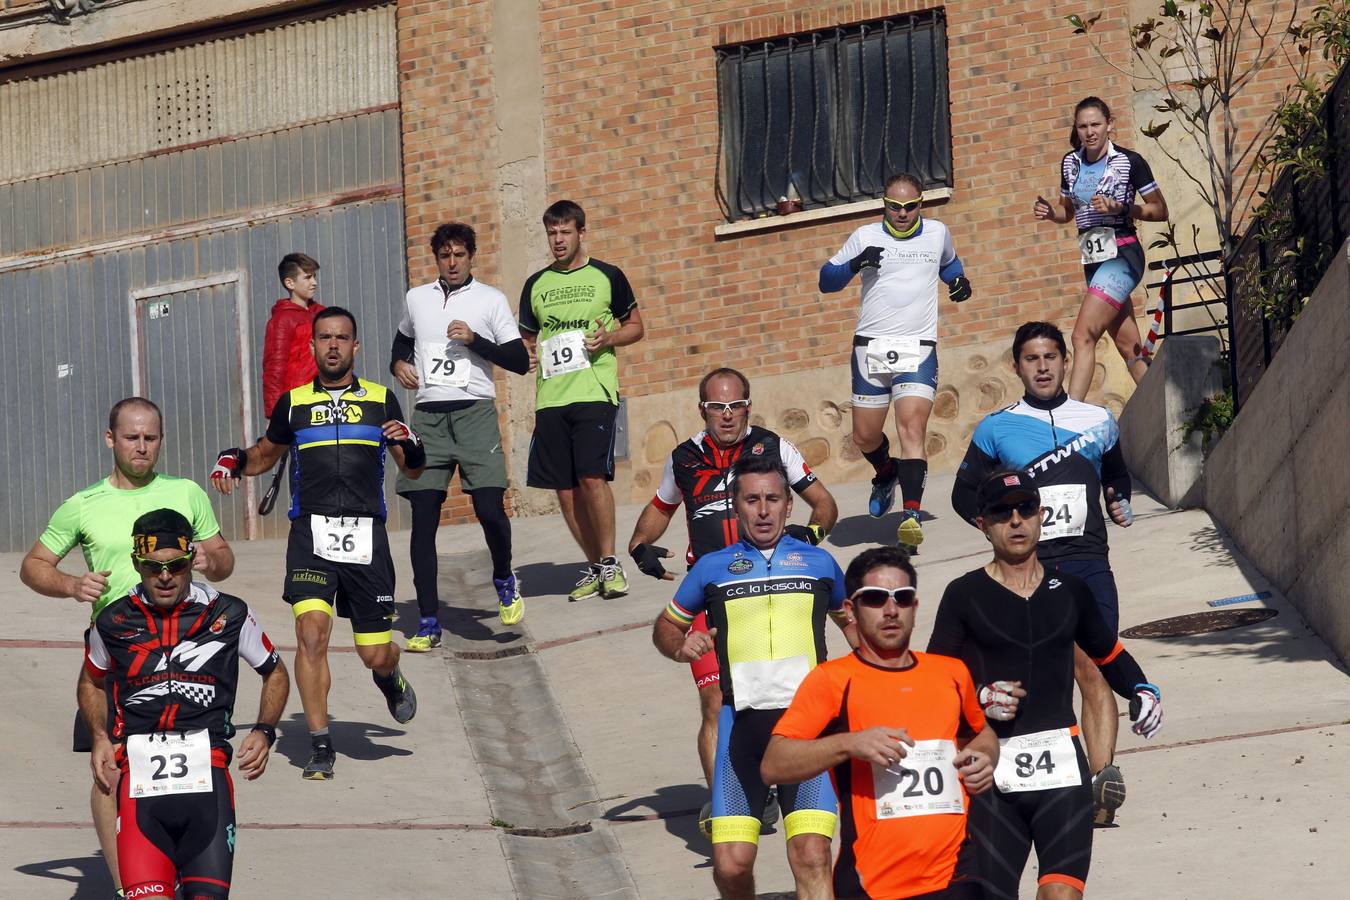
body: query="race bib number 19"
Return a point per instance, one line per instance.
(563, 353)
(924, 783)
(344, 540)
(1098, 245)
(163, 764)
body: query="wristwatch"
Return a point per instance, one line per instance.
(268, 731)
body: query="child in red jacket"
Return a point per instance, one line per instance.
(288, 359)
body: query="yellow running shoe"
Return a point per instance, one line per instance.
(910, 533)
(510, 605)
(588, 586)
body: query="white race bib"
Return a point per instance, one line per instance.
(1097, 245)
(1037, 762)
(344, 540)
(564, 352)
(446, 365)
(767, 683)
(895, 355)
(1064, 510)
(924, 783)
(163, 764)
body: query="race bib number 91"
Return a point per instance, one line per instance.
(563, 353)
(1097, 245)
(924, 783)
(163, 764)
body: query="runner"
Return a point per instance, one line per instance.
(766, 597)
(572, 315)
(1072, 452)
(895, 359)
(1097, 186)
(904, 739)
(1015, 623)
(337, 558)
(98, 520)
(698, 474)
(166, 656)
(453, 332)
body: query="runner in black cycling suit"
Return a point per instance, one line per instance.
(168, 655)
(338, 429)
(1015, 623)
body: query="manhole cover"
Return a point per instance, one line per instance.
(1200, 623)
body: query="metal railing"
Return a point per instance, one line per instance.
(1203, 274)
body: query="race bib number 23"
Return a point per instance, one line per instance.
(164, 764)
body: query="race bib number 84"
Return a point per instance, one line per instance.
(1037, 762)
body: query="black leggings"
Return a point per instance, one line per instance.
(488, 506)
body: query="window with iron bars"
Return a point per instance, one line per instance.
(827, 116)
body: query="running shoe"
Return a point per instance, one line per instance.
(510, 605)
(428, 636)
(883, 490)
(772, 811)
(705, 821)
(1108, 793)
(613, 581)
(910, 533)
(320, 765)
(399, 695)
(588, 586)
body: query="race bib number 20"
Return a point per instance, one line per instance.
(924, 783)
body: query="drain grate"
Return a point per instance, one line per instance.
(1200, 623)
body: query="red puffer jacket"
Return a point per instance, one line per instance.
(288, 359)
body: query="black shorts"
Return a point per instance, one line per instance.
(184, 837)
(571, 443)
(362, 593)
(1058, 822)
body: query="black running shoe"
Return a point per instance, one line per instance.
(320, 765)
(399, 695)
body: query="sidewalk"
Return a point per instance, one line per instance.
(1230, 800)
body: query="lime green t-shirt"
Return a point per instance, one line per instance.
(99, 520)
(559, 306)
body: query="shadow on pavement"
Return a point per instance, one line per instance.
(355, 740)
(552, 579)
(90, 876)
(678, 806)
(864, 529)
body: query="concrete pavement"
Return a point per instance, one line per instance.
(1235, 798)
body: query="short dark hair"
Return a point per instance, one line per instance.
(564, 211)
(877, 558)
(292, 264)
(454, 232)
(719, 373)
(757, 464)
(330, 312)
(1086, 103)
(131, 402)
(905, 178)
(1030, 331)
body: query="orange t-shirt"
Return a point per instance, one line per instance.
(913, 853)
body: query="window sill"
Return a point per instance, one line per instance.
(806, 217)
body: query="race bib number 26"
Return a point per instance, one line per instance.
(344, 540)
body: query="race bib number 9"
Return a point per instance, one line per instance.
(563, 353)
(924, 783)
(1063, 511)
(1097, 245)
(894, 355)
(446, 365)
(163, 764)
(344, 540)
(1037, 762)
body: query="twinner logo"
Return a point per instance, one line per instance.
(1043, 464)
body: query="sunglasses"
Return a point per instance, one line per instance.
(176, 566)
(717, 408)
(907, 206)
(876, 597)
(1003, 511)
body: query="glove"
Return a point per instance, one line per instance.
(811, 534)
(1146, 710)
(405, 436)
(998, 700)
(1127, 512)
(230, 464)
(959, 289)
(648, 558)
(868, 259)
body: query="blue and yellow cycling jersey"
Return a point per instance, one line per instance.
(769, 610)
(337, 446)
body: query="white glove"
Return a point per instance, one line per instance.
(1146, 710)
(998, 700)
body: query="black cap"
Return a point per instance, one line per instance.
(161, 529)
(1002, 487)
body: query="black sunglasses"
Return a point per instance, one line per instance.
(876, 597)
(176, 566)
(1002, 512)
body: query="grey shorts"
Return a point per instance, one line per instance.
(468, 439)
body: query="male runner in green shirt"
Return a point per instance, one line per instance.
(98, 519)
(572, 316)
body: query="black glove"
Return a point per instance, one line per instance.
(648, 558)
(959, 289)
(812, 534)
(868, 259)
(230, 464)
